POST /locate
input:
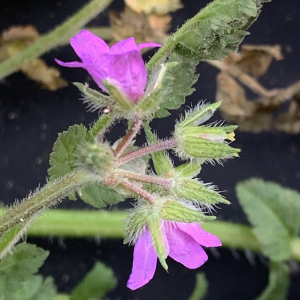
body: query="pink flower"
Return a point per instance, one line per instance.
(122, 64)
(182, 242)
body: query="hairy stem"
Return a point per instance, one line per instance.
(137, 191)
(128, 137)
(54, 38)
(146, 178)
(162, 145)
(49, 195)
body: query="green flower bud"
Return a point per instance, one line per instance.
(97, 158)
(196, 191)
(189, 169)
(205, 143)
(181, 212)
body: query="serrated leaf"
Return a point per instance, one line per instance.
(99, 195)
(218, 29)
(184, 78)
(274, 213)
(200, 288)
(98, 282)
(36, 289)
(18, 267)
(64, 151)
(279, 281)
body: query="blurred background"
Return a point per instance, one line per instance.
(31, 116)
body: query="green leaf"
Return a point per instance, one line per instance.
(200, 288)
(64, 151)
(99, 195)
(274, 213)
(218, 29)
(184, 78)
(36, 289)
(279, 281)
(98, 282)
(19, 267)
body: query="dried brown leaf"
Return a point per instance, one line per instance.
(289, 122)
(160, 7)
(144, 28)
(18, 38)
(254, 59)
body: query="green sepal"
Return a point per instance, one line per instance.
(158, 240)
(189, 169)
(118, 96)
(200, 114)
(157, 90)
(179, 212)
(97, 100)
(192, 189)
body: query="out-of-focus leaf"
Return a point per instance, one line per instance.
(98, 282)
(36, 289)
(273, 212)
(157, 6)
(279, 282)
(18, 38)
(18, 267)
(200, 288)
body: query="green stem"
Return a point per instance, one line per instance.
(110, 224)
(54, 38)
(49, 195)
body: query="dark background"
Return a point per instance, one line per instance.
(31, 118)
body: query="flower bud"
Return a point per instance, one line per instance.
(196, 191)
(205, 143)
(97, 158)
(181, 212)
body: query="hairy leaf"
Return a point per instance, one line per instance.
(278, 282)
(98, 282)
(19, 267)
(218, 29)
(184, 78)
(274, 213)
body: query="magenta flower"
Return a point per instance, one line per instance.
(182, 242)
(122, 64)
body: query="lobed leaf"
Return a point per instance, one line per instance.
(274, 213)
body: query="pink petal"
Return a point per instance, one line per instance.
(88, 46)
(129, 69)
(147, 45)
(73, 64)
(185, 250)
(201, 236)
(124, 46)
(144, 262)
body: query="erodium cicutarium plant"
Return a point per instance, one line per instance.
(171, 202)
